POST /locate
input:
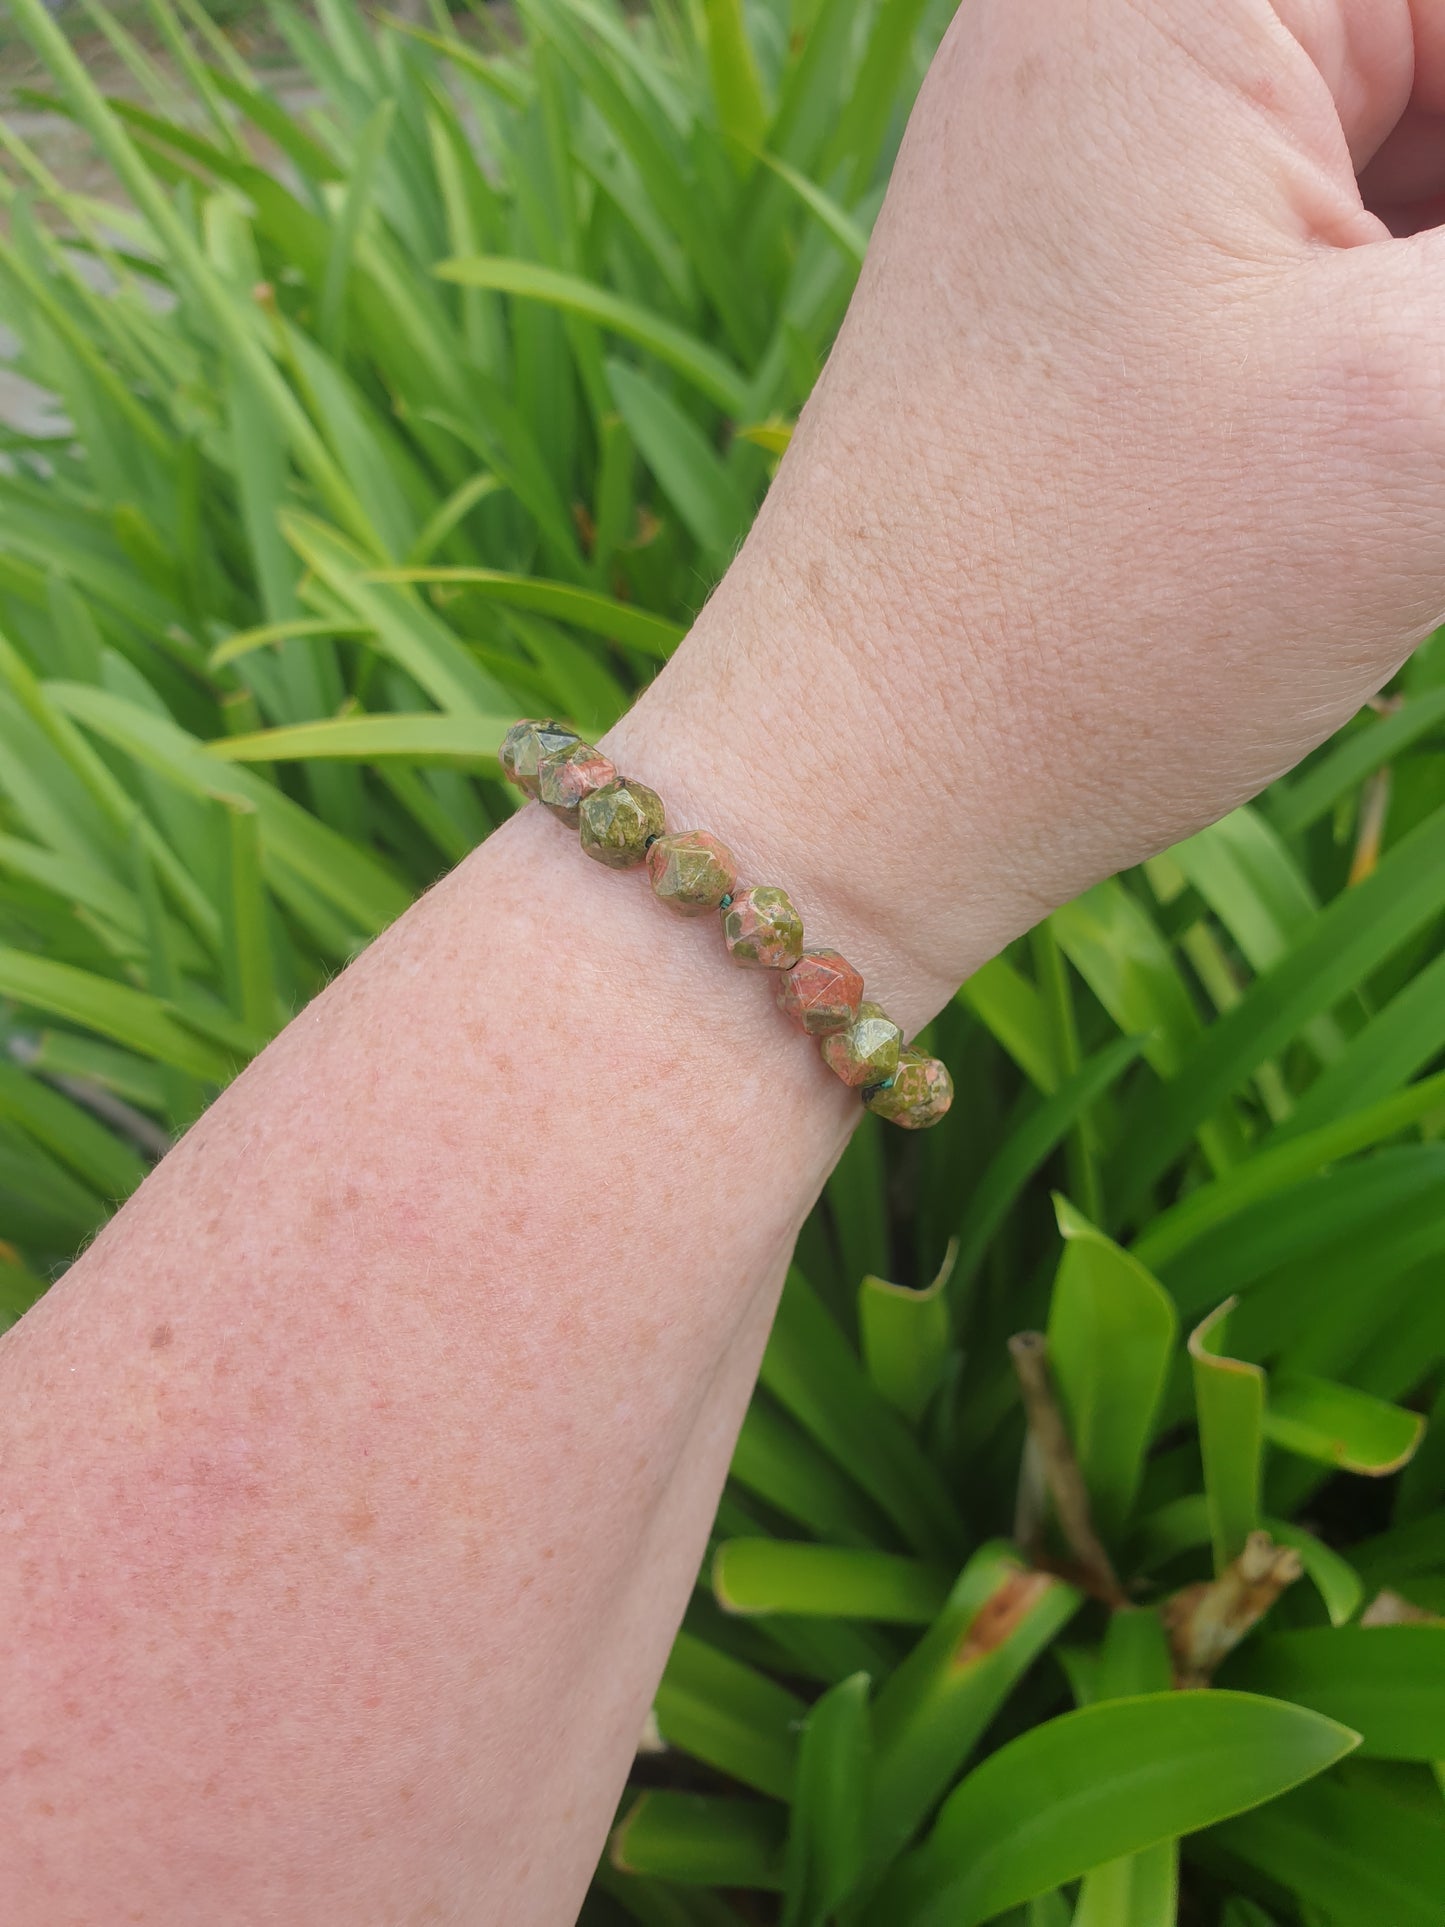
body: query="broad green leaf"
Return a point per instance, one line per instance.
(1361, 1858)
(709, 372)
(1422, 1483)
(1350, 938)
(1295, 805)
(1387, 1682)
(61, 1053)
(730, 1715)
(712, 504)
(1248, 878)
(1185, 1523)
(857, 1203)
(406, 632)
(422, 739)
(1229, 1395)
(1338, 1425)
(811, 1370)
(851, 238)
(905, 1337)
(1011, 1008)
(1323, 1231)
(1134, 1657)
(781, 1464)
(1111, 941)
(355, 206)
(930, 1714)
(1333, 1577)
(74, 1137)
(1282, 1164)
(1141, 1889)
(1031, 1142)
(1047, 1910)
(830, 1803)
(129, 1017)
(249, 971)
(581, 608)
(348, 878)
(1403, 1554)
(1390, 1048)
(1111, 1336)
(777, 1576)
(736, 83)
(1243, 1913)
(1091, 1786)
(695, 1838)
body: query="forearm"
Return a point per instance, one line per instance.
(357, 1477)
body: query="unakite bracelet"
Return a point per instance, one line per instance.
(622, 823)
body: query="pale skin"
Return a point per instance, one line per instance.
(354, 1482)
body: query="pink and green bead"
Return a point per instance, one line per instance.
(622, 824)
(866, 1053)
(761, 928)
(821, 992)
(917, 1094)
(692, 872)
(526, 745)
(618, 822)
(567, 777)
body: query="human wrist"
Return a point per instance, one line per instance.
(806, 720)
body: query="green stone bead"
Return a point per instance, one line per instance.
(762, 930)
(918, 1094)
(617, 823)
(867, 1051)
(691, 871)
(568, 775)
(524, 747)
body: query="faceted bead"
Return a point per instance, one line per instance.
(691, 871)
(920, 1092)
(867, 1051)
(762, 929)
(567, 775)
(821, 993)
(617, 822)
(524, 746)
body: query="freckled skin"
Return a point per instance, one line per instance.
(299, 1552)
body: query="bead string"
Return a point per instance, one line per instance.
(622, 823)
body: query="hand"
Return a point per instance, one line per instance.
(1124, 485)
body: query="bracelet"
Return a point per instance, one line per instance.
(622, 823)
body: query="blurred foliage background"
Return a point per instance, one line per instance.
(1083, 1559)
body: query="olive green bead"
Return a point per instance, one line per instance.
(524, 747)
(867, 1051)
(691, 871)
(617, 823)
(568, 775)
(918, 1093)
(762, 930)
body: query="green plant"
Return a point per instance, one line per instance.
(446, 399)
